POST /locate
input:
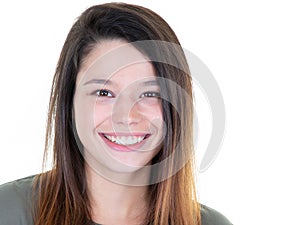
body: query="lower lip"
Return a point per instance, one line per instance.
(122, 148)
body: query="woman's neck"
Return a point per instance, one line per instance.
(113, 203)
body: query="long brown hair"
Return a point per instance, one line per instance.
(62, 192)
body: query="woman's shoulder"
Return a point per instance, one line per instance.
(17, 189)
(211, 216)
(16, 201)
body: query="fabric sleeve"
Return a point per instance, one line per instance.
(16, 203)
(210, 216)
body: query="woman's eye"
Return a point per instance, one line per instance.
(104, 93)
(150, 95)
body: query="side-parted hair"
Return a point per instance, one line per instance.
(62, 192)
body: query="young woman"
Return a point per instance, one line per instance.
(120, 128)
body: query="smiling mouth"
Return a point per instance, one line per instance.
(126, 140)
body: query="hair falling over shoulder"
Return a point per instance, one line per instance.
(62, 192)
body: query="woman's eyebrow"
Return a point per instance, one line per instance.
(150, 83)
(109, 82)
(98, 81)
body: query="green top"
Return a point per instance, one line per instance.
(15, 205)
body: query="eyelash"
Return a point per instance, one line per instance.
(109, 94)
(150, 94)
(103, 93)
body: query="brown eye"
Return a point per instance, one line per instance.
(104, 93)
(150, 95)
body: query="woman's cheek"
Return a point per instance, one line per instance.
(151, 109)
(102, 113)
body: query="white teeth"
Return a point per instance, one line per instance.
(125, 140)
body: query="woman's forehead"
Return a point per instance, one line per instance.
(113, 58)
(108, 52)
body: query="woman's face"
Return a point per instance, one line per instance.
(117, 108)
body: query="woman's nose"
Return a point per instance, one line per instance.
(126, 112)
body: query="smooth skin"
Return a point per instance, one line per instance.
(117, 102)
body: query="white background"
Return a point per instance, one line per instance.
(253, 51)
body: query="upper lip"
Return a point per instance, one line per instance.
(124, 134)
